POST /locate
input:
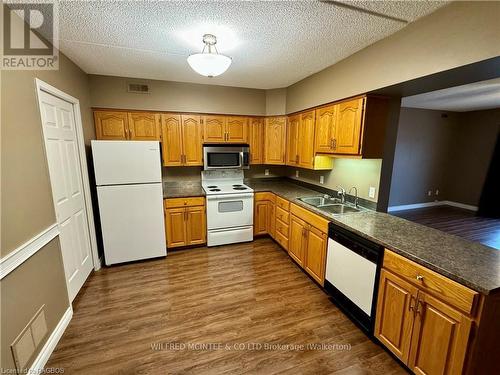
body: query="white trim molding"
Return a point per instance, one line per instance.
(44, 355)
(17, 257)
(431, 204)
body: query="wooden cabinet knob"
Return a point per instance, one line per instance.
(420, 277)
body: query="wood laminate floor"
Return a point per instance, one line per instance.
(457, 221)
(232, 297)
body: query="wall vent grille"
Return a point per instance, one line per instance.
(138, 88)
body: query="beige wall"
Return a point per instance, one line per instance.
(26, 199)
(455, 35)
(111, 92)
(275, 102)
(361, 173)
(450, 154)
(38, 281)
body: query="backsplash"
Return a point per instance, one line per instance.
(188, 174)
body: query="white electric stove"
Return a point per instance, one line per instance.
(229, 207)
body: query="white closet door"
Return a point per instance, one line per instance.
(58, 121)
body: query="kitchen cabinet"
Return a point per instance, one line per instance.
(308, 241)
(264, 215)
(185, 221)
(275, 140)
(181, 140)
(256, 139)
(144, 126)
(422, 318)
(111, 125)
(348, 127)
(300, 143)
(225, 129)
(325, 129)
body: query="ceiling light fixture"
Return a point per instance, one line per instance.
(209, 62)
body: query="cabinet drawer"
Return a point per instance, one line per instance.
(184, 202)
(282, 240)
(282, 215)
(265, 196)
(431, 282)
(282, 228)
(309, 217)
(282, 203)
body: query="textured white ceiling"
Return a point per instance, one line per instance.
(272, 43)
(472, 97)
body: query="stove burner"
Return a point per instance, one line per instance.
(236, 185)
(239, 188)
(214, 189)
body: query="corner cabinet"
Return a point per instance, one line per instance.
(423, 318)
(275, 140)
(185, 221)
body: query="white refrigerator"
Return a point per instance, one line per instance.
(130, 197)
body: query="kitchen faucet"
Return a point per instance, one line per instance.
(356, 196)
(341, 193)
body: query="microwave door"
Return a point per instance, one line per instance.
(224, 160)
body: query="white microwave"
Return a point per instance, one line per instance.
(226, 156)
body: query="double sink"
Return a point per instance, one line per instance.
(330, 205)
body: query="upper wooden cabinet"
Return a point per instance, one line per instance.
(118, 125)
(225, 129)
(352, 128)
(275, 140)
(181, 140)
(144, 126)
(111, 125)
(292, 139)
(306, 140)
(256, 139)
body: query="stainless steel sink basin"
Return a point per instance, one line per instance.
(319, 201)
(339, 209)
(329, 205)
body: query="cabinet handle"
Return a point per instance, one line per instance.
(411, 306)
(418, 304)
(334, 143)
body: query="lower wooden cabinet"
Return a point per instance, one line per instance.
(315, 254)
(427, 334)
(185, 222)
(264, 214)
(297, 241)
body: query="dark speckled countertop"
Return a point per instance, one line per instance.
(469, 263)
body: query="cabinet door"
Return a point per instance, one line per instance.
(305, 145)
(315, 255)
(196, 228)
(395, 314)
(256, 140)
(440, 337)
(214, 128)
(275, 139)
(296, 243)
(271, 219)
(348, 127)
(261, 215)
(144, 126)
(175, 221)
(192, 143)
(111, 125)
(292, 140)
(237, 129)
(325, 129)
(171, 140)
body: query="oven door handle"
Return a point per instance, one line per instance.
(229, 197)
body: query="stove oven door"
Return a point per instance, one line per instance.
(229, 211)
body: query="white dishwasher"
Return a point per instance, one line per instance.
(352, 273)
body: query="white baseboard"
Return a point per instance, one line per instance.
(44, 355)
(431, 204)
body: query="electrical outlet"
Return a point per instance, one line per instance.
(429, 193)
(437, 191)
(371, 192)
(321, 179)
(296, 173)
(266, 172)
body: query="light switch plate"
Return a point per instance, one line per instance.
(321, 179)
(371, 192)
(296, 173)
(266, 172)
